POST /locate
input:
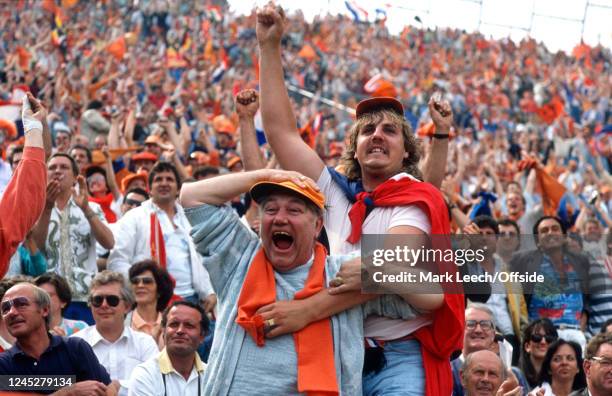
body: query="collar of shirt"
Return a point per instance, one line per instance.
(95, 336)
(165, 365)
(138, 322)
(54, 341)
(179, 219)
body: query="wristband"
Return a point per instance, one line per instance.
(440, 136)
(28, 120)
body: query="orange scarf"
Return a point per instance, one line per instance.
(105, 203)
(316, 367)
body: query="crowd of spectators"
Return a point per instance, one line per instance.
(139, 97)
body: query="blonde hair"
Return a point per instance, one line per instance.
(351, 166)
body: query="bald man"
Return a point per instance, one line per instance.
(483, 373)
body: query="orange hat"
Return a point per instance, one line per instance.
(9, 127)
(233, 161)
(261, 190)
(97, 157)
(222, 124)
(144, 156)
(379, 103)
(125, 182)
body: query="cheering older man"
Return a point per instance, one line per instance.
(288, 263)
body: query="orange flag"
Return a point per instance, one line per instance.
(307, 52)
(117, 48)
(551, 111)
(552, 191)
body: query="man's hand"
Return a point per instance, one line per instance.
(53, 191)
(284, 317)
(348, 278)
(270, 25)
(510, 388)
(80, 198)
(441, 113)
(209, 303)
(38, 110)
(247, 103)
(30, 119)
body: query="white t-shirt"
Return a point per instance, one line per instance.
(379, 221)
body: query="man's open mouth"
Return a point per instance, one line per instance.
(282, 240)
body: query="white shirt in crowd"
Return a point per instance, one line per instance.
(157, 377)
(338, 227)
(122, 356)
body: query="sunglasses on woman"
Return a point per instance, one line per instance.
(111, 300)
(145, 280)
(18, 302)
(537, 338)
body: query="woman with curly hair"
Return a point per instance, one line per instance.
(153, 288)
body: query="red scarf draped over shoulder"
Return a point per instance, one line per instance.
(105, 204)
(314, 344)
(445, 335)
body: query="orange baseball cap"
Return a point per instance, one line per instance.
(144, 156)
(233, 161)
(379, 103)
(264, 189)
(125, 182)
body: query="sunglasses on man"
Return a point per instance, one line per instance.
(133, 202)
(20, 303)
(111, 300)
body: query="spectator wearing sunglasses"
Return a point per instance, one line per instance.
(598, 366)
(118, 347)
(537, 336)
(60, 294)
(152, 287)
(26, 310)
(133, 199)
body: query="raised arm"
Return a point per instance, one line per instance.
(247, 104)
(434, 166)
(26, 185)
(277, 115)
